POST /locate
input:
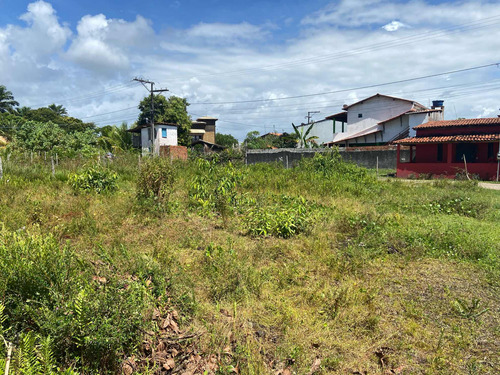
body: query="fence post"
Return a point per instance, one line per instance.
(1, 168)
(52, 166)
(31, 157)
(57, 159)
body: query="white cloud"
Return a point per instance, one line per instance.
(345, 45)
(226, 31)
(43, 36)
(393, 26)
(105, 45)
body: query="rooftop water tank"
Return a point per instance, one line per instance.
(437, 103)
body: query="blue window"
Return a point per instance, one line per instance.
(164, 133)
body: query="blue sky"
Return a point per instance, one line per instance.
(241, 61)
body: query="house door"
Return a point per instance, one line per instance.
(467, 149)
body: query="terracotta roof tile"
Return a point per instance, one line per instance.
(464, 122)
(451, 138)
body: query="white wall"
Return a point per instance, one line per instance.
(417, 119)
(374, 110)
(322, 129)
(169, 140)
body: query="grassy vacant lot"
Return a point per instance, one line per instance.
(316, 269)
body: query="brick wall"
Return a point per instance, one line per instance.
(174, 152)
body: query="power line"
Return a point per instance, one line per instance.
(473, 25)
(354, 88)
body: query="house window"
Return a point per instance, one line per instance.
(440, 152)
(490, 151)
(164, 133)
(360, 115)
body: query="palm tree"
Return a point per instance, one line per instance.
(59, 109)
(23, 111)
(7, 102)
(302, 137)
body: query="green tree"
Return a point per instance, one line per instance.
(23, 111)
(226, 140)
(68, 123)
(115, 138)
(172, 110)
(7, 102)
(304, 140)
(254, 141)
(59, 109)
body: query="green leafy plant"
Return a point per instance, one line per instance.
(214, 187)
(156, 181)
(94, 179)
(285, 219)
(472, 310)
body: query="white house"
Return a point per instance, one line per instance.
(165, 135)
(376, 120)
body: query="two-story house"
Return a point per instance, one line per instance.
(376, 120)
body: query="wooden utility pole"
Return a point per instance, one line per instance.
(152, 119)
(309, 115)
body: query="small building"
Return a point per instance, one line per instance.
(165, 135)
(444, 148)
(203, 129)
(374, 121)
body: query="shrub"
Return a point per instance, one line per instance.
(94, 179)
(156, 181)
(51, 291)
(214, 187)
(284, 220)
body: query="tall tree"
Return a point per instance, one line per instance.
(226, 140)
(172, 110)
(7, 102)
(59, 109)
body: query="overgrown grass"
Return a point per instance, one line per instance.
(276, 267)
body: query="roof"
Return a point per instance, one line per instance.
(213, 146)
(463, 122)
(341, 116)
(138, 128)
(367, 131)
(450, 138)
(206, 118)
(380, 95)
(196, 131)
(275, 134)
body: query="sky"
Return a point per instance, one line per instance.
(255, 65)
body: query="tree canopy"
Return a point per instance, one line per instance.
(253, 140)
(226, 140)
(172, 110)
(7, 102)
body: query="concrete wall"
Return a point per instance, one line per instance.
(365, 157)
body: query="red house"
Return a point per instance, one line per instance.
(443, 148)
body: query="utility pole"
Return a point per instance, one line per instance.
(152, 91)
(309, 115)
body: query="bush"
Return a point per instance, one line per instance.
(94, 179)
(284, 220)
(214, 187)
(93, 320)
(156, 180)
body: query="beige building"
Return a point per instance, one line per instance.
(203, 129)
